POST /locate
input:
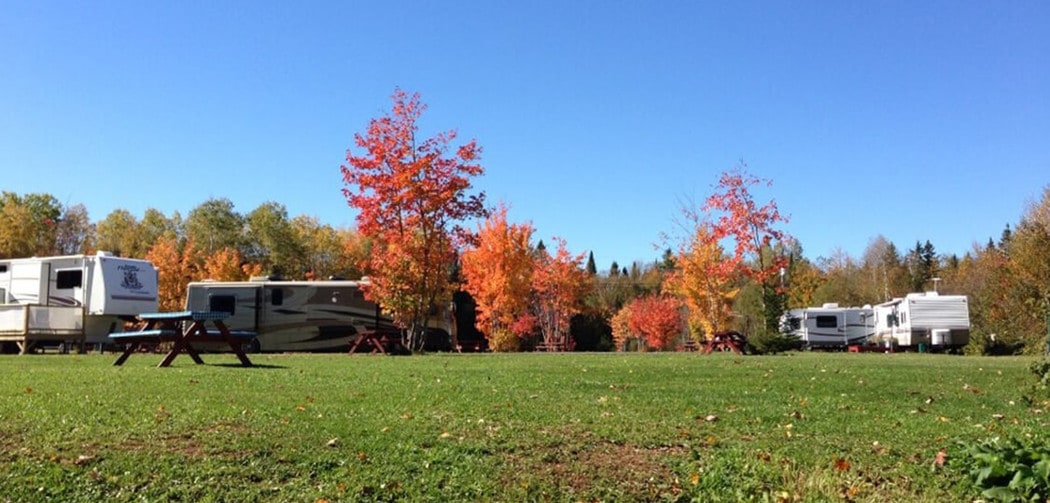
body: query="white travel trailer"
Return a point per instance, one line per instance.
(829, 326)
(72, 298)
(301, 315)
(936, 321)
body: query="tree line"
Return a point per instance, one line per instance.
(729, 265)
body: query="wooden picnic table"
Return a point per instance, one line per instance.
(182, 329)
(726, 341)
(378, 340)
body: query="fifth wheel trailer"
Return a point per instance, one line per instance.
(72, 298)
(290, 315)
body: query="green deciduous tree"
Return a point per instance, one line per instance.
(214, 225)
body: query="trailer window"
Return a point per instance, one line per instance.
(225, 303)
(69, 279)
(276, 296)
(827, 322)
(3, 267)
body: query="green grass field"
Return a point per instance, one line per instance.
(537, 427)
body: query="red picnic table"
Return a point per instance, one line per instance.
(183, 329)
(726, 341)
(379, 340)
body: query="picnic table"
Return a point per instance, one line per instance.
(377, 340)
(726, 341)
(182, 329)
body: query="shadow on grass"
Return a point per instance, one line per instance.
(254, 366)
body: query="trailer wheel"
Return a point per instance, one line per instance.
(252, 346)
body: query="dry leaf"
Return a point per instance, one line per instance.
(942, 456)
(841, 464)
(333, 442)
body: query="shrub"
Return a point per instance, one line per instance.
(766, 342)
(1007, 470)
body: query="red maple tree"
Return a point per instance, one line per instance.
(411, 194)
(657, 319)
(558, 285)
(752, 230)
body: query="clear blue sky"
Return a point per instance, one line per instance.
(913, 120)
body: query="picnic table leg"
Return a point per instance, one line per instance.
(193, 353)
(377, 345)
(128, 349)
(357, 342)
(238, 349)
(177, 347)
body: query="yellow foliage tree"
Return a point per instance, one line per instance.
(621, 328)
(706, 283)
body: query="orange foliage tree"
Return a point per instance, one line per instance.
(498, 275)
(176, 268)
(559, 283)
(227, 264)
(410, 194)
(174, 271)
(657, 319)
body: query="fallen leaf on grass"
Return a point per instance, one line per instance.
(333, 442)
(940, 458)
(83, 459)
(841, 464)
(711, 418)
(28, 390)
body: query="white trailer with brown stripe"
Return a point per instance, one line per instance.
(291, 315)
